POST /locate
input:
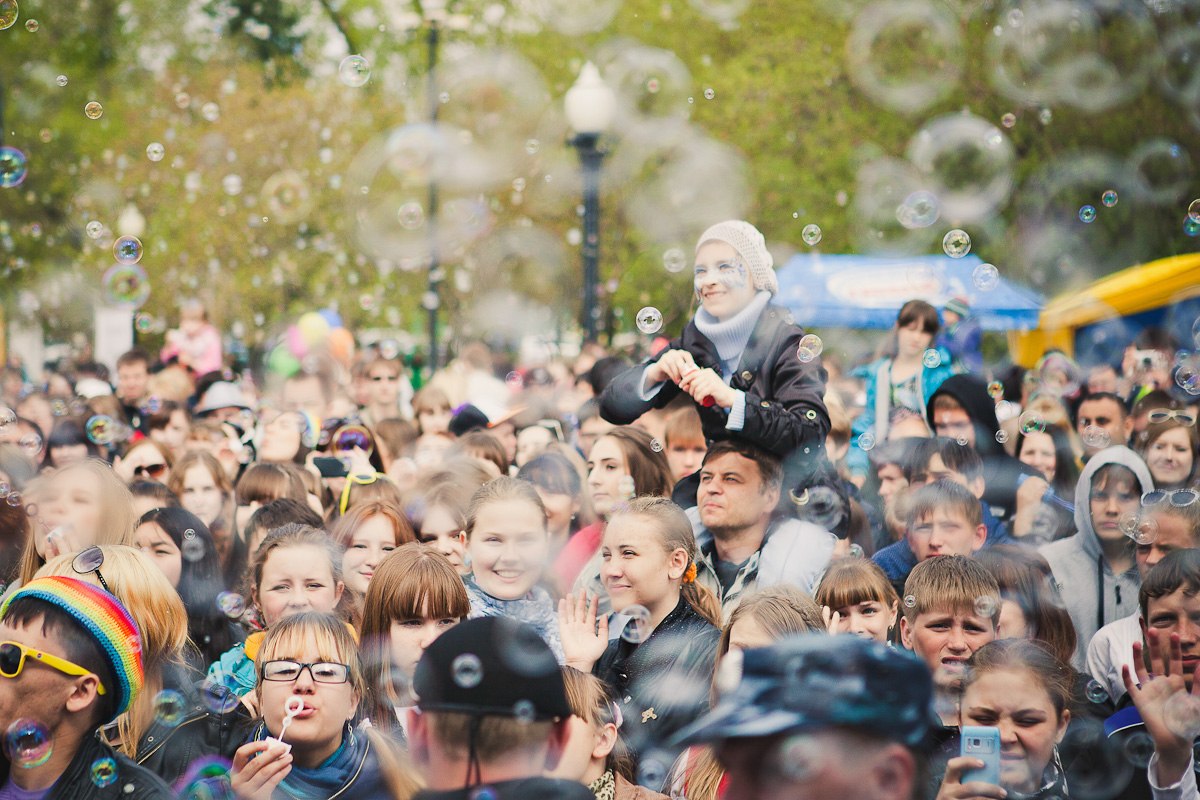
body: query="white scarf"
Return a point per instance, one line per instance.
(730, 336)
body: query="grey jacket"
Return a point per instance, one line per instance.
(1093, 594)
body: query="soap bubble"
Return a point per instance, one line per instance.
(1002, 436)
(674, 260)
(1139, 748)
(855, 550)
(995, 390)
(866, 441)
(126, 285)
(411, 215)
(170, 707)
(1193, 211)
(232, 604)
(1096, 437)
(910, 601)
(232, 185)
(656, 445)
(1032, 422)
(102, 430)
(354, 71)
(968, 161)
(93, 110)
(94, 229)
(649, 320)
(218, 698)
(1145, 531)
(524, 711)
(1087, 214)
(193, 550)
(1008, 120)
(13, 500)
(811, 235)
(905, 55)
(920, 209)
(13, 167)
(649, 81)
(1162, 170)
(32, 25)
(1109, 198)
(8, 14)
(104, 772)
(985, 277)
(467, 670)
(287, 196)
(956, 243)
(61, 80)
(809, 348)
(30, 444)
(651, 772)
(127, 250)
(932, 359)
(1096, 692)
(986, 605)
(155, 151)
(571, 17)
(210, 111)
(28, 743)
(638, 629)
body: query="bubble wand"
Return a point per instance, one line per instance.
(294, 705)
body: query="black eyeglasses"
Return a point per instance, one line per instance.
(89, 561)
(155, 471)
(321, 671)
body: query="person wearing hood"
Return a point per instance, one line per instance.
(1095, 569)
(748, 367)
(961, 409)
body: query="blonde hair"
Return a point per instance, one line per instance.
(592, 701)
(949, 583)
(499, 490)
(205, 459)
(116, 510)
(325, 633)
(161, 620)
(675, 532)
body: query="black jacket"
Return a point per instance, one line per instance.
(1001, 472)
(522, 789)
(132, 782)
(663, 683)
(785, 412)
(168, 750)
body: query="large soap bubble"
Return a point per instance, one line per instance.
(969, 163)
(571, 16)
(886, 189)
(905, 55)
(649, 81)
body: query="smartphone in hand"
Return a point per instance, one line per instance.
(976, 741)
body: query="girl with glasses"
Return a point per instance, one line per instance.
(310, 685)
(144, 459)
(296, 569)
(1169, 445)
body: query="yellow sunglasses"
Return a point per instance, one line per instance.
(13, 655)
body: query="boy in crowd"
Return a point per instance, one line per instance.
(951, 609)
(684, 439)
(1095, 568)
(1169, 521)
(944, 520)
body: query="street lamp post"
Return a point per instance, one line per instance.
(590, 107)
(434, 13)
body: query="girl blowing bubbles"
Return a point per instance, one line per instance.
(508, 546)
(738, 358)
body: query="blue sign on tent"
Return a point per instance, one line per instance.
(867, 292)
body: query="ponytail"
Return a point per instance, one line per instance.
(673, 527)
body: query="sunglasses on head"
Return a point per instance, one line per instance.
(1160, 415)
(155, 471)
(1179, 498)
(360, 480)
(88, 561)
(14, 654)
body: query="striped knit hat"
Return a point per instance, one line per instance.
(102, 616)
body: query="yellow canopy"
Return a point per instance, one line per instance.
(1130, 291)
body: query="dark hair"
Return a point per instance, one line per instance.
(604, 371)
(919, 311)
(264, 482)
(69, 432)
(135, 355)
(958, 458)
(78, 645)
(1066, 469)
(1178, 569)
(1024, 577)
(770, 468)
(488, 447)
(155, 491)
(648, 467)
(158, 420)
(278, 513)
(1104, 396)
(553, 473)
(200, 581)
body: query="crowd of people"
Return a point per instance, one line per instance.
(737, 568)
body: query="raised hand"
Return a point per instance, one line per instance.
(584, 639)
(1169, 711)
(832, 619)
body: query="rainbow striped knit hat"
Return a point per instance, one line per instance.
(103, 616)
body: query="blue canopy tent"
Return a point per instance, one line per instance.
(867, 291)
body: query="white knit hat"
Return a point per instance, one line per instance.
(750, 245)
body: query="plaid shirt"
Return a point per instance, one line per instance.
(706, 575)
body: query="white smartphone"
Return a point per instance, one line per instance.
(981, 742)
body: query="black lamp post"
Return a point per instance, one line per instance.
(590, 106)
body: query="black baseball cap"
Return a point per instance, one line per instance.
(814, 681)
(467, 418)
(492, 666)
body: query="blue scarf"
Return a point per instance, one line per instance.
(536, 608)
(329, 777)
(731, 335)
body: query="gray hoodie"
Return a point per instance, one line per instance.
(1084, 578)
